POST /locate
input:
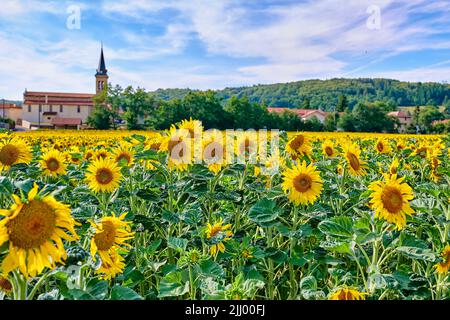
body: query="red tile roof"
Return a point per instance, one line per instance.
(67, 121)
(301, 112)
(440, 122)
(10, 106)
(399, 114)
(58, 98)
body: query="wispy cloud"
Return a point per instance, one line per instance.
(213, 44)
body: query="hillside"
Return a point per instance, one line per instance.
(324, 93)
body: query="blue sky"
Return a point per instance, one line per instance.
(212, 44)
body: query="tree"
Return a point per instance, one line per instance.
(306, 103)
(347, 123)
(427, 116)
(102, 117)
(329, 124)
(342, 104)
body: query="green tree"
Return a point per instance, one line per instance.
(102, 116)
(330, 122)
(342, 104)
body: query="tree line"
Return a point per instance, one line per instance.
(324, 94)
(139, 109)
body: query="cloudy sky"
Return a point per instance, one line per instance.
(214, 44)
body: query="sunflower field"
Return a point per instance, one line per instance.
(112, 215)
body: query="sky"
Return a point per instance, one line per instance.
(212, 44)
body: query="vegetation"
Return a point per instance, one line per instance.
(325, 94)
(113, 215)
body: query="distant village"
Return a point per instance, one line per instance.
(58, 110)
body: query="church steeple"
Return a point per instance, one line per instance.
(101, 77)
(102, 71)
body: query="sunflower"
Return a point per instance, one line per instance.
(302, 183)
(178, 145)
(5, 285)
(110, 236)
(356, 166)
(328, 149)
(217, 233)
(74, 155)
(444, 266)
(298, 146)
(382, 146)
(390, 200)
(420, 151)
(34, 230)
(124, 154)
(53, 163)
(12, 152)
(101, 154)
(112, 267)
(393, 168)
(194, 127)
(103, 175)
(247, 145)
(214, 154)
(347, 294)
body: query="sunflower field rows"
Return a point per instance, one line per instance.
(113, 215)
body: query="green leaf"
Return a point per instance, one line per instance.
(124, 293)
(6, 187)
(99, 290)
(78, 294)
(336, 246)
(177, 243)
(417, 253)
(168, 288)
(263, 212)
(337, 227)
(211, 268)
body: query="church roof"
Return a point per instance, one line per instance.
(102, 71)
(58, 98)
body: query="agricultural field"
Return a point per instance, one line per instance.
(192, 214)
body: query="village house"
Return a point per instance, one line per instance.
(404, 118)
(304, 114)
(11, 111)
(61, 110)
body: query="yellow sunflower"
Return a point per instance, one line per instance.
(217, 233)
(393, 168)
(112, 267)
(103, 175)
(352, 153)
(328, 149)
(124, 154)
(53, 163)
(382, 146)
(111, 234)
(178, 146)
(214, 155)
(5, 285)
(247, 145)
(14, 151)
(299, 146)
(390, 200)
(34, 230)
(302, 184)
(444, 266)
(347, 294)
(194, 127)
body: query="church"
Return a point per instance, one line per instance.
(57, 110)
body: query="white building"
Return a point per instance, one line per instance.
(62, 110)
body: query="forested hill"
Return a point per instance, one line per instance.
(324, 94)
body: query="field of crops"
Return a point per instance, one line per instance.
(193, 214)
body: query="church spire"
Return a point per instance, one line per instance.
(102, 71)
(101, 77)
